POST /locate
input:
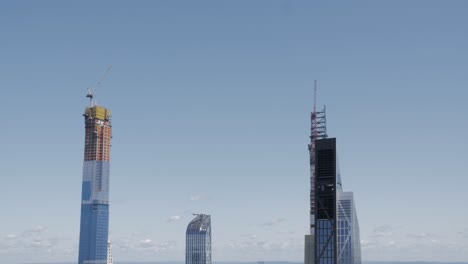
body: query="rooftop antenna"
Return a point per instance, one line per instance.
(92, 90)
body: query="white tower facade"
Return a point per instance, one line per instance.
(109, 253)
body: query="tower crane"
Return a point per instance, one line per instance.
(92, 88)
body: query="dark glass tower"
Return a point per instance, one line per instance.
(334, 228)
(337, 228)
(198, 240)
(94, 223)
(325, 201)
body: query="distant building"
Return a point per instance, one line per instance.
(109, 253)
(309, 249)
(198, 240)
(94, 222)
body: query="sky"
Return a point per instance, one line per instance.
(211, 105)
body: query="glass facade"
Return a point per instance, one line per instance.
(198, 240)
(334, 228)
(326, 244)
(325, 201)
(337, 229)
(349, 244)
(94, 224)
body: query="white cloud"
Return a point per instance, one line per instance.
(423, 236)
(286, 232)
(146, 243)
(122, 243)
(198, 197)
(383, 231)
(38, 228)
(150, 245)
(34, 243)
(174, 218)
(42, 243)
(254, 244)
(385, 242)
(136, 244)
(250, 236)
(11, 236)
(274, 222)
(164, 246)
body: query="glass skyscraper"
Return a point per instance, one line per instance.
(198, 240)
(334, 228)
(337, 228)
(94, 223)
(349, 244)
(325, 201)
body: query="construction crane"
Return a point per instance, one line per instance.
(314, 113)
(318, 119)
(92, 89)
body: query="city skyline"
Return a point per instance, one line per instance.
(218, 95)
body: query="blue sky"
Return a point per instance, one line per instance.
(211, 104)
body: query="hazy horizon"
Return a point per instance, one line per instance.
(254, 262)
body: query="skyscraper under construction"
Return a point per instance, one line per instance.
(318, 131)
(94, 223)
(334, 228)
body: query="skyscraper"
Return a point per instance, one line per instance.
(325, 200)
(198, 240)
(349, 243)
(337, 229)
(318, 131)
(334, 228)
(95, 188)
